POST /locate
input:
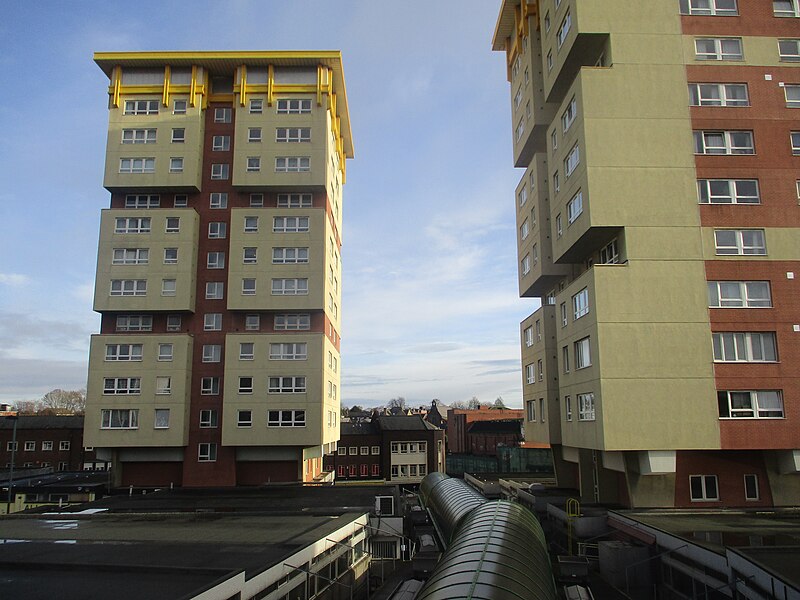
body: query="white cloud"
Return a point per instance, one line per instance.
(14, 279)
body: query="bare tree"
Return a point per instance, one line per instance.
(60, 401)
(398, 402)
(474, 403)
(499, 403)
(27, 407)
(460, 404)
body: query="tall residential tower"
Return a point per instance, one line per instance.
(219, 267)
(657, 219)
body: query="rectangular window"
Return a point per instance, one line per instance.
(718, 94)
(141, 107)
(208, 419)
(375, 450)
(293, 134)
(739, 294)
(221, 143)
(134, 323)
(218, 200)
(287, 385)
(609, 254)
(789, 50)
(540, 368)
(530, 374)
(216, 260)
(179, 107)
(220, 171)
(293, 107)
(528, 334)
(137, 165)
(750, 404)
(244, 418)
(586, 409)
(172, 225)
(253, 164)
(538, 326)
(206, 452)
(740, 241)
(217, 231)
(222, 115)
(245, 385)
(580, 303)
(178, 136)
(215, 290)
(169, 287)
(290, 224)
(786, 8)
(563, 30)
(130, 256)
(290, 287)
(128, 287)
(47, 446)
(286, 256)
(568, 116)
(138, 136)
(212, 353)
(703, 488)
(525, 265)
(290, 322)
(250, 256)
(248, 287)
(254, 134)
(176, 165)
(292, 164)
(559, 226)
(565, 359)
(751, 487)
(30, 446)
(122, 385)
(142, 201)
(792, 93)
(718, 49)
(256, 200)
(173, 322)
(256, 106)
(728, 191)
(288, 351)
(252, 322)
(294, 200)
(286, 418)
(572, 161)
(209, 386)
(723, 142)
(161, 418)
(520, 129)
(795, 137)
(165, 352)
(530, 407)
(212, 322)
(119, 419)
(524, 230)
(708, 7)
(170, 256)
(522, 196)
(568, 408)
(163, 385)
(731, 346)
(246, 351)
(583, 356)
(564, 319)
(574, 207)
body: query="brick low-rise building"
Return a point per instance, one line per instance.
(459, 420)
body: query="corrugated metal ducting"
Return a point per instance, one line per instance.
(449, 501)
(498, 552)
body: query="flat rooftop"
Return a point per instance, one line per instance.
(168, 544)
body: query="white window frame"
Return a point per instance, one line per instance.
(132, 225)
(563, 30)
(178, 135)
(244, 417)
(221, 143)
(292, 164)
(291, 286)
(793, 47)
(246, 350)
(217, 230)
(722, 143)
(220, 171)
(728, 191)
(169, 287)
(583, 353)
(139, 136)
(256, 106)
(287, 384)
(161, 418)
(743, 300)
(122, 386)
(293, 106)
(705, 487)
(745, 242)
(290, 224)
(744, 346)
(245, 384)
(134, 323)
(288, 351)
(753, 479)
(140, 107)
(253, 164)
(587, 410)
(223, 115)
(248, 286)
(758, 404)
(206, 452)
(130, 256)
(209, 386)
(572, 161)
(166, 352)
(137, 165)
(707, 8)
(128, 287)
(142, 201)
(215, 260)
(212, 353)
(722, 48)
(287, 418)
(718, 94)
(292, 134)
(574, 207)
(793, 9)
(212, 322)
(292, 322)
(107, 418)
(296, 200)
(569, 115)
(209, 418)
(170, 256)
(289, 256)
(254, 135)
(580, 304)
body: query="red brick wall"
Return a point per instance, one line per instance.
(730, 468)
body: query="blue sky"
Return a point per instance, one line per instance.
(430, 306)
